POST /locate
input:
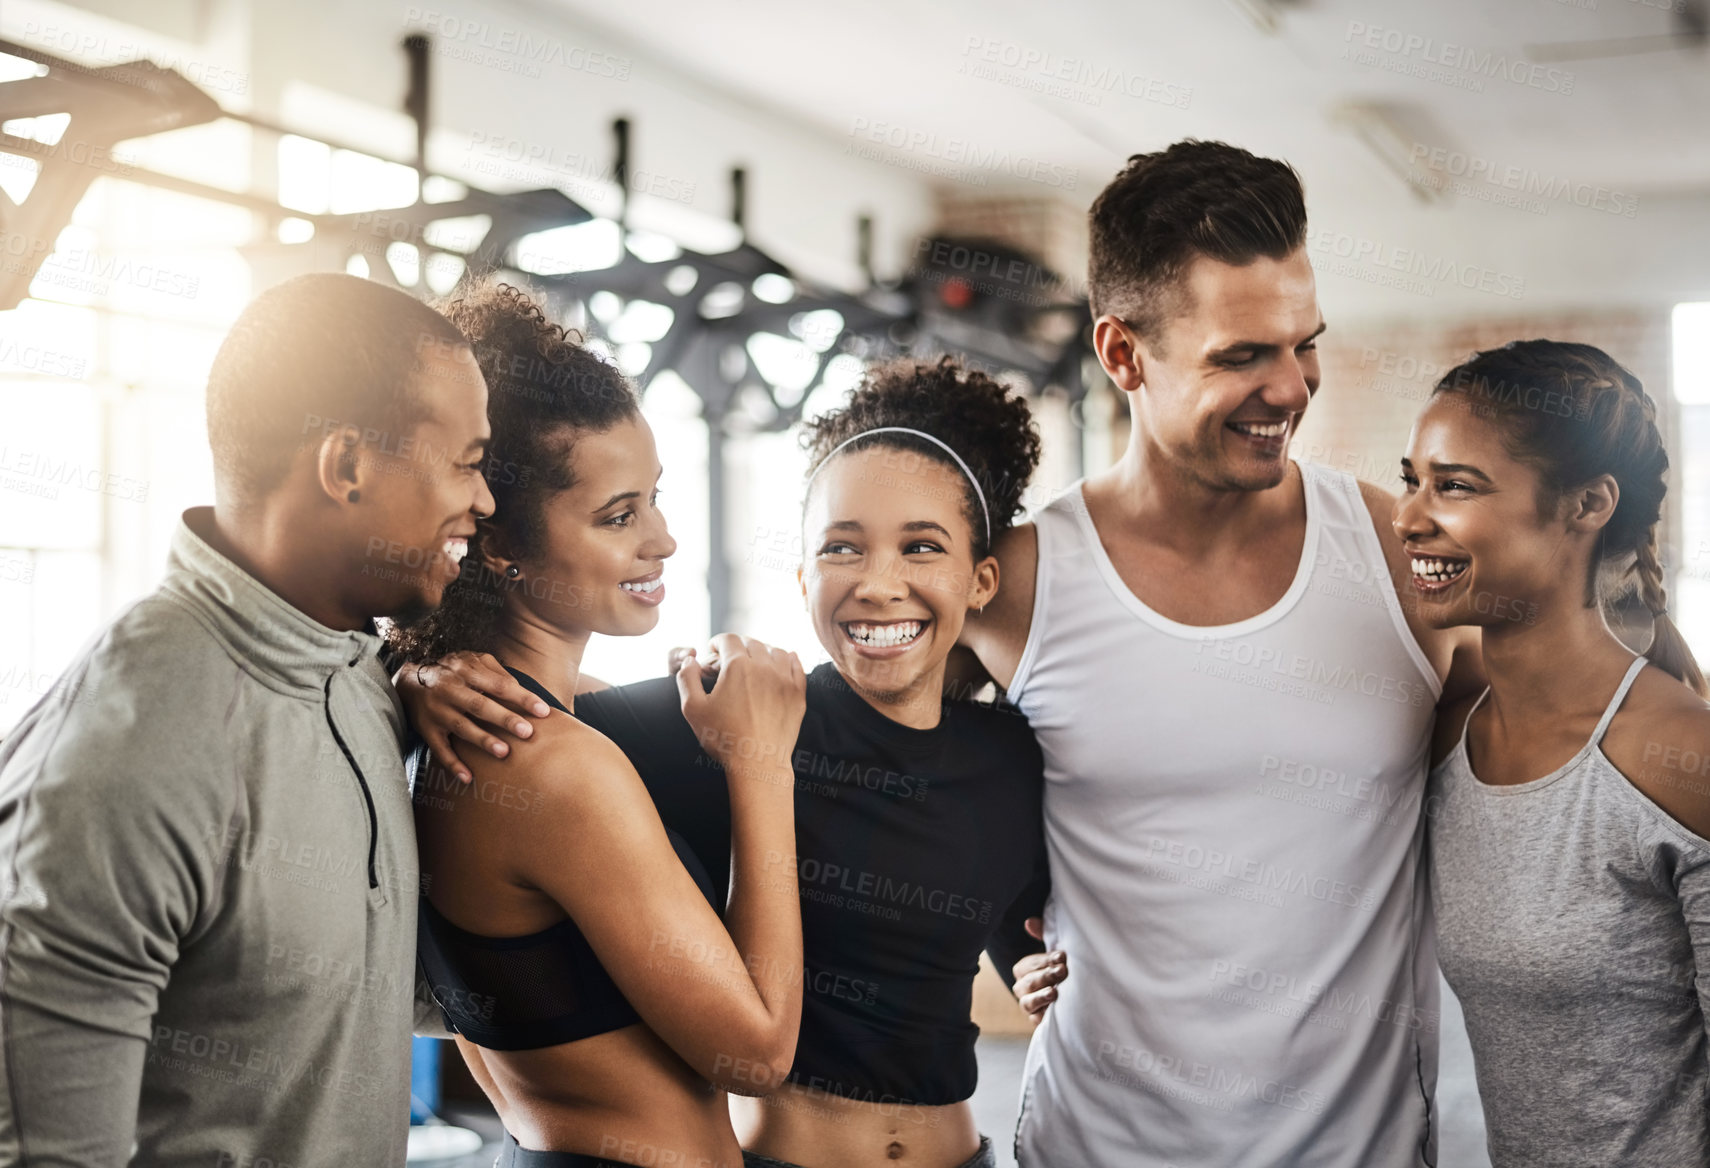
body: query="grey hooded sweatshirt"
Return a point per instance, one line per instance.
(208, 889)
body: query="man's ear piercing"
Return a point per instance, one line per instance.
(354, 496)
(513, 571)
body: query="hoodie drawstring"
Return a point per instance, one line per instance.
(373, 819)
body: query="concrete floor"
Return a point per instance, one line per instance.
(1460, 1143)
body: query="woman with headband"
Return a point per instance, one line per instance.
(573, 942)
(917, 819)
(1570, 811)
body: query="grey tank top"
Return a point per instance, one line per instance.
(1573, 922)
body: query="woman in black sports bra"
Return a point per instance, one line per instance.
(919, 838)
(573, 943)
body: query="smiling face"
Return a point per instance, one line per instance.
(1469, 518)
(429, 490)
(889, 573)
(600, 564)
(1236, 371)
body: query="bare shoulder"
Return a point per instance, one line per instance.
(1660, 740)
(998, 635)
(566, 762)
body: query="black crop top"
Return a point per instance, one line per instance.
(915, 850)
(522, 993)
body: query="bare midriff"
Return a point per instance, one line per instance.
(623, 1096)
(804, 1125)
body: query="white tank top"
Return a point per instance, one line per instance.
(1236, 846)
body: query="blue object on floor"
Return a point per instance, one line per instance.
(424, 1078)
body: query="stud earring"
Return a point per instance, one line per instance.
(354, 496)
(513, 571)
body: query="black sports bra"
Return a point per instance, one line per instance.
(522, 993)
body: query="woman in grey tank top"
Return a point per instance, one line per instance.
(1569, 808)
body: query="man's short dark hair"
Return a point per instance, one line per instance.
(1166, 209)
(306, 353)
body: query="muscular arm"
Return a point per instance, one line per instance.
(997, 636)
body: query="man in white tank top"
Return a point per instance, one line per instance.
(1235, 707)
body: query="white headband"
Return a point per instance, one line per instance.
(938, 442)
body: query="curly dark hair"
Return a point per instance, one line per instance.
(990, 427)
(544, 391)
(1572, 412)
(1163, 210)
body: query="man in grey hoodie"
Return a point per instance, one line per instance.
(208, 876)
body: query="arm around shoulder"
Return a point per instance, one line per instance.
(998, 635)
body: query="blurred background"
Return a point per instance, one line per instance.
(742, 203)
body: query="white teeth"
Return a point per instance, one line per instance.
(1438, 570)
(886, 636)
(1262, 429)
(456, 549)
(652, 585)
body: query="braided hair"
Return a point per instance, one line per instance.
(981, 420)
(544, 391)
(1573, 413)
